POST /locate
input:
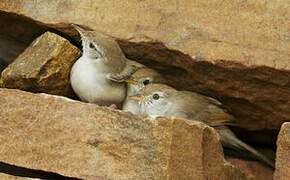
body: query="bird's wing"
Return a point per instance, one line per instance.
(130, 68)
(209, 99)
(205, 109)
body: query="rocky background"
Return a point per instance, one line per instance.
(236, 51)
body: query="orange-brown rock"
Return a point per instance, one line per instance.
(282, 171)
(43, 67)
(83, 140)
(253, 170)
(236, 51)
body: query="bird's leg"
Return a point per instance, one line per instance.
(130, 68)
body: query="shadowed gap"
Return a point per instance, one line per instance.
(31, 173)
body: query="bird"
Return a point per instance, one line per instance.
(96, 76)
(137, 81)
(160, 100)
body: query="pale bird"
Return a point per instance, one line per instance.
(137, 81)
(159, 100)
(93, 76)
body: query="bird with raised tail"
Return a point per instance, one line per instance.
(95, 74)
(157, 100)
(137, 81)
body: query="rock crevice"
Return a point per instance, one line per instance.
(254, 94)
(240, 59)
(17, 171)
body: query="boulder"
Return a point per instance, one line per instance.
(282, 171)
(43, 67)
(253, 169)
(81, 140)
(231, 50)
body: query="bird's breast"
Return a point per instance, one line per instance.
(91, 85)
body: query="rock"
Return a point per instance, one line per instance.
(83, 140)
(231, 50)
(282, 156)
(253, 170)
(8, 177)
(43, 67)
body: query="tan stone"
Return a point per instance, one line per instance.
(236, 51)
(43, 67)
(229, 30)
(84, 140)
(282, 171)
(10, 177)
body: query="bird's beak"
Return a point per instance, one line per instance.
(131, 81)
(137, 97)
(80, 30)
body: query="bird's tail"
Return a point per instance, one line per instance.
(229, 139)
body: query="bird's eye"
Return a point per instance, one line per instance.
(155, 96)
(92, 46)
(146, 82)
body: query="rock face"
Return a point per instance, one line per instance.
(236, 51)
(82, 140)
(253, 170)
(282, 156)
(43, 67)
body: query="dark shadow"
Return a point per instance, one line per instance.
(17, 32)
(31, 173)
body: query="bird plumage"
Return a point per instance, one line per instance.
(102, 61)
(138, 80)
(162, 100)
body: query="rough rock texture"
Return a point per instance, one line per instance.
(10, 177)
(253, 170)
(282, 156)
(236, 51)
(84, 140)
(43, 67)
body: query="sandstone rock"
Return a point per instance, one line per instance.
(282, 171)
(84, 140)
(43, 67)
(253, 170)
(231, 49)
(10, 177)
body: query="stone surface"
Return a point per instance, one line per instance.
(253, 170)
(236, 51)
(43, 67)
(282, 156)
(10, 177)
(84, 140)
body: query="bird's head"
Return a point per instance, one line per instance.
(154, 97)
(101, 48)
(141, 78)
